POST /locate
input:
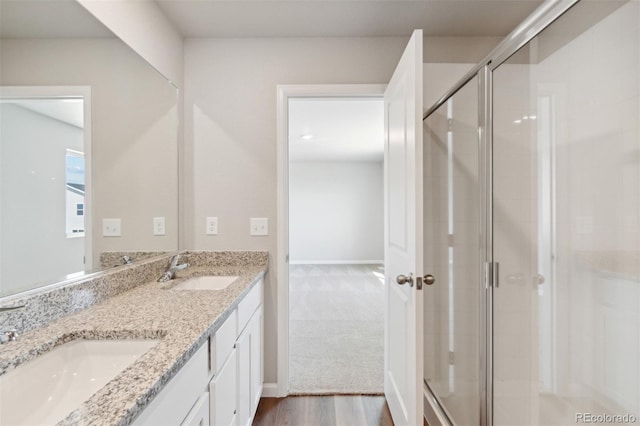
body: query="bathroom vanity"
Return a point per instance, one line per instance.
(205, 366)
(222, 383)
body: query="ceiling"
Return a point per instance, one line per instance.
(67, 110)
(341, 129)
(48, 19)
(277, 18)
(340, 18)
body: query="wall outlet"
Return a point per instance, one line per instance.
(158, 226)
(111, 227)
(212, 225)
(259, 226)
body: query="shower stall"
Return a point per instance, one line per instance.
(532, 214)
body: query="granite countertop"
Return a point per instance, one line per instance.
(621, 264)
(181, 320)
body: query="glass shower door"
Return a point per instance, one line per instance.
(566, 222)
(452, 321)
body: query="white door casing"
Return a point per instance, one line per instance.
(403, 236)
(284, 93)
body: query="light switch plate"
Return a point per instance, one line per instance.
(111, 227)
(259, 226)
(158, 226)
(212, 225)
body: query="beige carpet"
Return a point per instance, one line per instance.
(336, 329)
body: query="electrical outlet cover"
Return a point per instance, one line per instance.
(111, 227)
(158, 226)
(259, 226)
(211, 225)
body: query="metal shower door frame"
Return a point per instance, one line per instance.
(539, 20)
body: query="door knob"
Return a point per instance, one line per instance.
(403, 279)
(428, 279)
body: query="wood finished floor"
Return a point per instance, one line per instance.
(334, 410)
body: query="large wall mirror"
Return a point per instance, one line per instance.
(88, 148)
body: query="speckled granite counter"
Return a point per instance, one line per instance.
(182, 320)
(620, 264)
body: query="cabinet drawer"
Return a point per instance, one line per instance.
(222, 343)
(199, 414)
(222, 394)
(248, 305)
(174, 402)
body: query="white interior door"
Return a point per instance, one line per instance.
(403, 237)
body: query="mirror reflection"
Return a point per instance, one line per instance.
(88, 148)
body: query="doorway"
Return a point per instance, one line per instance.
(331, 241)
(336, 245)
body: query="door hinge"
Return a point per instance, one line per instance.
(491, 274)
(286, 258)
(450, 357)
(450, 240)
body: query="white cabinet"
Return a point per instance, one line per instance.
(199, 414)
(236, 386)
(174, 402)
(257, 359)
(249, 347)
(221, 384)
(222, 390)
(250, 355)
(223, 342)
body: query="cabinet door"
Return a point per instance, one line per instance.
(250, 366)
(223, 394)
(256, 359)
(243, 347)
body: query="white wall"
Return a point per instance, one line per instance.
(440, 77)
(336, 212)
(145, 28)
(230, 128)
(134, 131)
(33, 179)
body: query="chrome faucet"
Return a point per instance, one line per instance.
(170, 273)
(9, 335)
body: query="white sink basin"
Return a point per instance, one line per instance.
(46, 389)
(206, 283)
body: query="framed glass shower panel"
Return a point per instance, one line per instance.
(566, 221)
(452, 256)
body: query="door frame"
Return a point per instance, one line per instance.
(284, 93)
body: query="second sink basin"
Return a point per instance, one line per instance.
(46, 389)
(206, 283)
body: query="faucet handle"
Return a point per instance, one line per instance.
(174, 261)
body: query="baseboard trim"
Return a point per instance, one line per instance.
(270, 390)
(336, 262)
